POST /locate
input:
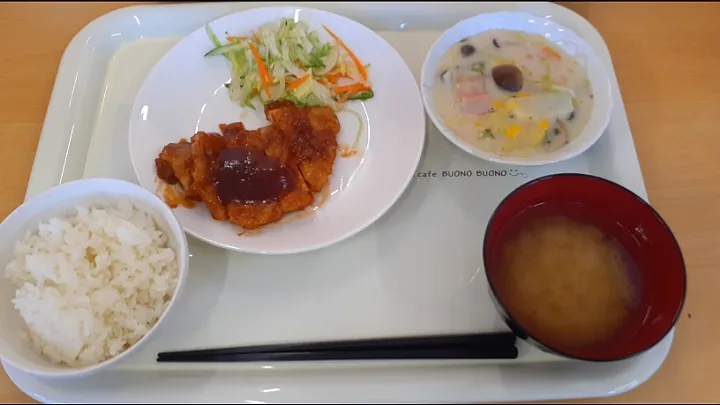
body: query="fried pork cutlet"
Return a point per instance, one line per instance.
(276, 146)
(175, 164)
(283, 187)
(312, 137)
(205, 150)
(254, 177)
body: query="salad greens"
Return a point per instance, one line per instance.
(288, 61)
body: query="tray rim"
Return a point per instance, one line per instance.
(59, 110)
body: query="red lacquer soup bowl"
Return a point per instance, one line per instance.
(660, 276)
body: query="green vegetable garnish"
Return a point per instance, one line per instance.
(317, 55)
(363, 96)
(212, 36)
(478, 67)
(308, 101)
(225, 49)
(546, 137)
(487, 133)
(288, 61)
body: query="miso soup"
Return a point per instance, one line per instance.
(566, 282)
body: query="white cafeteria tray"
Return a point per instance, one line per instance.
(421, 270)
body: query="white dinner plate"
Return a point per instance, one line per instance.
(184, 93)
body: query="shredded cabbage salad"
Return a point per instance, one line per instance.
(288, 61)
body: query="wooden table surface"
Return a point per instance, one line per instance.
(665, 56)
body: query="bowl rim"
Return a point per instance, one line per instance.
(183, 269)
(624, 189)
(450, 135)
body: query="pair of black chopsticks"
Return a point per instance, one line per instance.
(472, 346)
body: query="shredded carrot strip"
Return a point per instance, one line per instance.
(233, 38)
(351, 88)
(549, 52)
(354, 58)
(333, 78)
(297, 83)
(264, 75)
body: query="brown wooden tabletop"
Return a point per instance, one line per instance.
(665, 55)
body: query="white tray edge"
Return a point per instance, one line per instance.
(49, 167)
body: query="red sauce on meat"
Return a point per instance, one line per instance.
(248, 176)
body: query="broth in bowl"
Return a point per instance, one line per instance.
(567, 281)
(583, 268)
(512, 93)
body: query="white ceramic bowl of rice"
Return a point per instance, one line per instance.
(90, 269)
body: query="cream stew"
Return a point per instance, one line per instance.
(512, 93)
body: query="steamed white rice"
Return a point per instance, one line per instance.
(91, 284)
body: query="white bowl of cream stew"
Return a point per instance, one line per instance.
(516, 88)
